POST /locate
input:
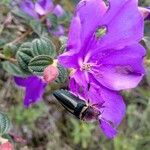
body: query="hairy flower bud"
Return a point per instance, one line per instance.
(50, 73)
(145, 12)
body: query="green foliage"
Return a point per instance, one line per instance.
(34, 57)
(22, 116)
(9, 50)
(39, 63)
(81, 132)
(63, 74)
(37, 27)
(4, 123)
(23, 58)
(53, 21)
(63, 40)
(43, 46)
(13, 69)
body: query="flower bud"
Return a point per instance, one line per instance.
(145, 12)
(6, 146)
(50, 73)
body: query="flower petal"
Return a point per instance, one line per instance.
(34, 89)
(122, 69)
(90, 13)
(107, 129)
(59, 31)
(20, 81)
(109, 103)
(114, 107)
(47, 5)
(74, 39)
(79, 77)
(28, 7)
(39, 9)
(129, 56)
(125, 25)
(69, 59)
(58, 11)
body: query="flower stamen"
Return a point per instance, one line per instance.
(86, 67)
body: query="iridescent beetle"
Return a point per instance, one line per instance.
(76, 106)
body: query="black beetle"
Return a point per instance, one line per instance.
(76, 106)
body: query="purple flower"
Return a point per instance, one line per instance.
(103, 44)
(104, 52)
(34, 88)
(145, 12)
(109, 104)
(43, 7)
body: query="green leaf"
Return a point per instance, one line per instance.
(4, 123)
(10, 50)
(43, 46)
(37, 27)
(26, 45)
(63, 74)
(53, 20)
(2, 42)
(63, 40)
(24, 55)
(39, 63)
(21, 14)
(13, 69)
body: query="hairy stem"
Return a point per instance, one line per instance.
(6, 58)
(28, 32)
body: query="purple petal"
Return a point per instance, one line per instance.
(124, 23)
(80, 78)
(34, 89)
(107, 129)
(28, 7)
(39, 9)
(58, 11)
(90, 13)
(109, 103)
(74, 40)
(20, 81)
(47, 5)
(114, 107)
(69, 59)
(59, 31)
(122, 69)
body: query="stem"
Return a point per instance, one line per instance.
(6, 58)
(147, 62)
(23, 36)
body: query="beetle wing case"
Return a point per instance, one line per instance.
(73, 104)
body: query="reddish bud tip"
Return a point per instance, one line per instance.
(144, 11)
(50, 73)
(6, 146)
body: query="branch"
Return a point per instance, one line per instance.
(23, 36)
(6, 58)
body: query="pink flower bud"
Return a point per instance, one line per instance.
(50, 73)
(6, 146)
(145, 12)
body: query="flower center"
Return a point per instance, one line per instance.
(86, 67)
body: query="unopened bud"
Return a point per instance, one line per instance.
(145, 13)
(50, 73)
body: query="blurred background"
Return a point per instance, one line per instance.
(47, 126)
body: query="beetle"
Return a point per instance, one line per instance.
(77, 106)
